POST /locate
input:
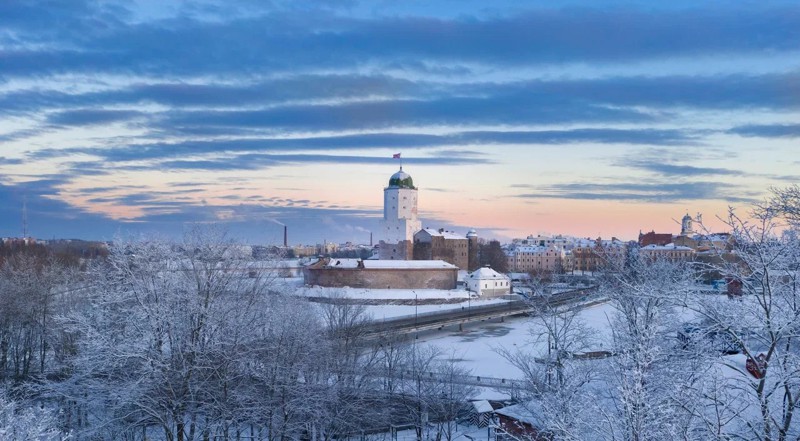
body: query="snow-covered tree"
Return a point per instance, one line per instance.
(556, 383)
(33, 289)
(644, 371)
(761, 317)
(169, 327)
(286, 380)
(28, 423)
(450, 400)
(785, 202)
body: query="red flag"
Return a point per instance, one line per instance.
(396, 156)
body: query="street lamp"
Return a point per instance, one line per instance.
(416, 301)
(469, 306)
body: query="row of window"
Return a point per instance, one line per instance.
(486, 285)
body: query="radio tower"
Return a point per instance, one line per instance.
(24, 217)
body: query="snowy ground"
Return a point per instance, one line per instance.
(475, 347)
(390, 303)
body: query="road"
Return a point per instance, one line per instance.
(439, 319)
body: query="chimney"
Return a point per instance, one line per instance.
(370, 238)
(285, 236)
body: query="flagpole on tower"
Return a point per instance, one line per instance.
(398, 156)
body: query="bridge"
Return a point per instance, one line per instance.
(460, 316)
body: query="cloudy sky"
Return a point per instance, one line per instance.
(576, 117)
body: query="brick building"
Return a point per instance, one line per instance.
(430, 244)
(653, 238)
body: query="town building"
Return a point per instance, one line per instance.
(653, 238)
(718, 242)
(592, 255)
(670, 252)
(430, 244)
(544, 259)
(558, 241)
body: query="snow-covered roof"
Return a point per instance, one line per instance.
(482, 406)
(524, 412)
(391, 264)
(487, 273)
(443, 233)
(344, 263)
(408, 264)
(535, 249)
(715, 237)
(667, 247)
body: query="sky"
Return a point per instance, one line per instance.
(601, 118)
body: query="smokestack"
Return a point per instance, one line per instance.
(370, 238)
(24, 216)
(285, 236)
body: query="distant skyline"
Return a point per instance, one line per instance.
(514, 118)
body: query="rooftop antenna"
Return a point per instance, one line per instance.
(24, 217)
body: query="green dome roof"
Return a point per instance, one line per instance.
(401, 179)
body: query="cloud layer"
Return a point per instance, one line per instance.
(619, 102)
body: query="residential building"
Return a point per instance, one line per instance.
(671, 252)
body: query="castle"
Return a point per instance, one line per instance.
(402, 235)
(409, 256)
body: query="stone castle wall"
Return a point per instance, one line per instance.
(380, 278)
(402, 250)
(453, 251)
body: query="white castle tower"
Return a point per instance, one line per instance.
(400, 221)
